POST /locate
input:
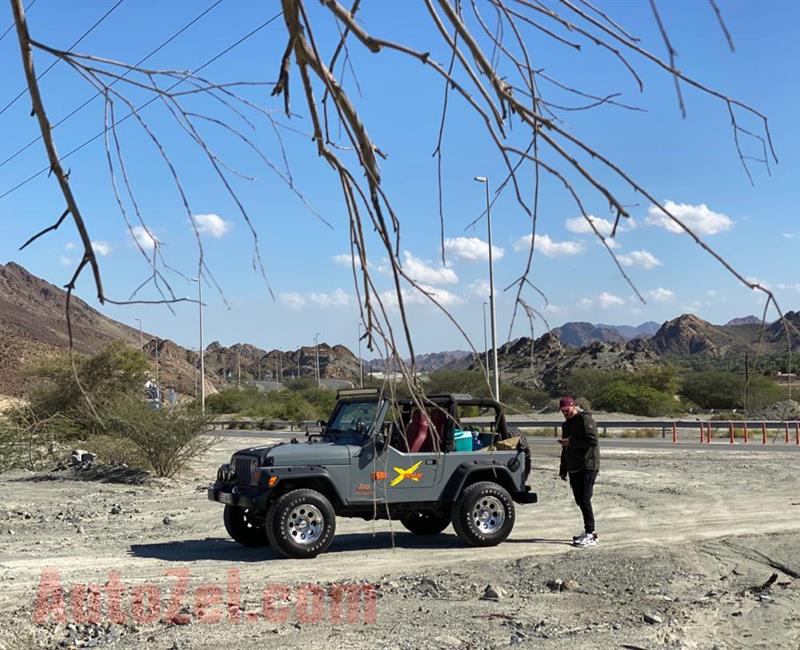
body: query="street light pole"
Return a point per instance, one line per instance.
(485, 181)
(485, 341)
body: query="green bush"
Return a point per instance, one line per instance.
(474, 383)
(717, 389)
(168, 440)
(116, 373)
(26, 440)
(627, 396)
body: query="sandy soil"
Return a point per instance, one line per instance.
(688, 540)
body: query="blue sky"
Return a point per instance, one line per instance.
(690, 162)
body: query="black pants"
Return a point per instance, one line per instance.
(582, 483)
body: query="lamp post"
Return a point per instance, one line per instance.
(485, 341)
(485, 181)
(199, 280)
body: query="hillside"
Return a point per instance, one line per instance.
(33, 327)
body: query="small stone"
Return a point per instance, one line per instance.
(570, 585)
(653, 619)
(167, 520)
(492, 593)
(555, 585)
(81, 530)
(10, 532)
(116, 509)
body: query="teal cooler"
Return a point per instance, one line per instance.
(463, 440)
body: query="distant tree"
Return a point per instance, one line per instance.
(718, 389)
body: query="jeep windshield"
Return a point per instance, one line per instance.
(347, 417)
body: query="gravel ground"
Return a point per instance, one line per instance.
(690, 542)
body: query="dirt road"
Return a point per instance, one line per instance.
(688, 538)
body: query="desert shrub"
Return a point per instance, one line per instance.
(717, 389)
(28, 441)
(116, 373)
(626, 396)
(473, 383)
(168, 440)
(116, 450)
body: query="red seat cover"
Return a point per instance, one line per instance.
(417, 432)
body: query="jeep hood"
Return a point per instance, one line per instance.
(306, 453)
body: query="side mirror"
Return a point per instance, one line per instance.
(360, 426)
(321, 423)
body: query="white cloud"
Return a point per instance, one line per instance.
(790, 235)
(661, 295)
(613, 244)
(212, 224)
(472, 249)
(101, 247)
(413, 297)
(296, 301)
(643, 259)
(585, 303)
(550, 308)
(788, 287)
(70, 245)
(338, 298)
(696, 217)
(144, 238)
(479, 289)
(424, 272)
(608, 300)
(64, 260)
(548, 247)
(711, 292)
(345, 259)
(580, 226)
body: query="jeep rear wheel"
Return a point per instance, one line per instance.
(246, 526)
(484, 514)
(425, 523)
(301, 523)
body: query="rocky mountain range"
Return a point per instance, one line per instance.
(33, 326)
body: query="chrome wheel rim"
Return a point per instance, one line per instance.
(305, 524)
(488, 515)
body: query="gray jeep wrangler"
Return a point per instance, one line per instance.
(378, 458)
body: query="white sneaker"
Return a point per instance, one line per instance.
(587, 539)
(576, 537)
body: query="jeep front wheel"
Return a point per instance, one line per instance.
(246, 526)
(301, 523)
(425, 523)
(484, 514)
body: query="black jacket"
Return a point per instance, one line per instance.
(583, 451)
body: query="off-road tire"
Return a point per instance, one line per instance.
(483, 497)
(246, 526)
(316, 513)
(425, 523)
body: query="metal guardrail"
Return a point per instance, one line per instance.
(676, 429)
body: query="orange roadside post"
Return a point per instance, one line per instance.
(675, 432)
(732, 432)
(763, 433)
(708, 433)
(797, 432)
(745, 432)
(701, 433)
(786, 432)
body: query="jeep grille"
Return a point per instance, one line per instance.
(243, 466)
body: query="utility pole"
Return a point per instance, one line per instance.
(158, 392)
(238, 370)
(141, 345)
(196, 376)
(485, 342)
(485, 181)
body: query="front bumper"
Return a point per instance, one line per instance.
(244, 497)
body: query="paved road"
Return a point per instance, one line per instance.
(611, 443)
